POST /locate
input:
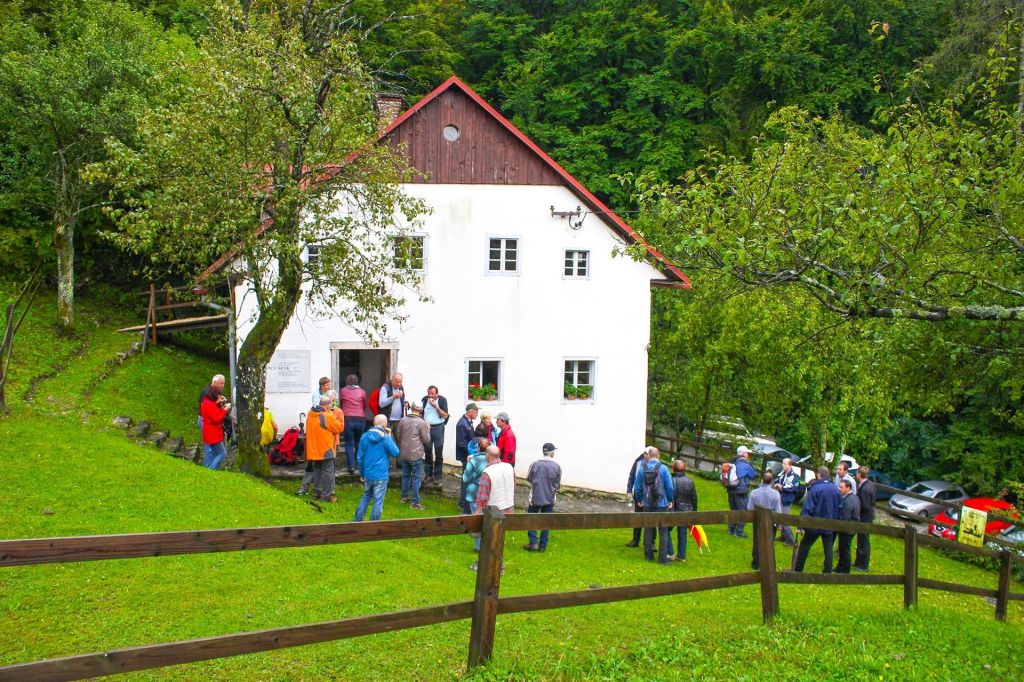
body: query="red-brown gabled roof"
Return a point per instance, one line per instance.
(593, 203)
(675, 277)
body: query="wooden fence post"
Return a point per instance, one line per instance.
(1003, 591)
(488, 579)
(909, 566)
(764, 534)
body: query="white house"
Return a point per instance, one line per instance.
(521, 297)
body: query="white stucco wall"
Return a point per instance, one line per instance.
(532, 321)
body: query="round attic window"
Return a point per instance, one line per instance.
(450, 132)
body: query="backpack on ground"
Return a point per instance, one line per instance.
(288, 450)
(374, 401)
(654, 488)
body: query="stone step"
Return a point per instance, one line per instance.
(193, 453)
(173, 445)
(158, 437)
(123, 422)
(140, 429)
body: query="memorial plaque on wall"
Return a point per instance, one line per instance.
(288, 372)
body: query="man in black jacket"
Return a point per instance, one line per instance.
(635, 542)
(866, 493)
(849, 510)
(685, 500)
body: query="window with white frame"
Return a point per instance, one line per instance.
(483, 380)
(503, 254)
(410, 253)
(577, 264)
(579, 380)
(312, 258)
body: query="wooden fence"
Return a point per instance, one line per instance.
(486, 603)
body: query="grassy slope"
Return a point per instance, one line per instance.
(68, 474)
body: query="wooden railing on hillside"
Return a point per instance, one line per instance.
(486, 603)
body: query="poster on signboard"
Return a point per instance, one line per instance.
(288, 372)
(972, 526)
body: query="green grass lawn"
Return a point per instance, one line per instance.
(67, 472)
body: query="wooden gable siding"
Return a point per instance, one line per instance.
(485, 153)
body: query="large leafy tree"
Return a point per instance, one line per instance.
(70, 78)
(266, 148)
(922, 222)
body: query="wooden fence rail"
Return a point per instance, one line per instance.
(487, 603)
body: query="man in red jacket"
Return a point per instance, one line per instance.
(506, 439)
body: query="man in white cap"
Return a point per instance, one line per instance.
(737, 483)
(545, 478)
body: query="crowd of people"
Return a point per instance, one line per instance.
(413, 434)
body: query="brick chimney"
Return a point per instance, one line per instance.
(389, 107)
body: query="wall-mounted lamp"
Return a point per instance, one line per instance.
(578, 213)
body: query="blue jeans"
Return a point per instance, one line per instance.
(213, 455)
(539, 509)
(412, 479)
(372, 490)
(354, 430)
(682, 533)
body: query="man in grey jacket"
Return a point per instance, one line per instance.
(545, 478)
(413, 437)
(768, 497)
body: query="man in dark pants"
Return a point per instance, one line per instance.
(463, 436)
(849, 510)
(866, 493)
(822, 502)
(545, 478)
(635, 542)
(768, 497)
(737, 483)
(435, 413)
(653, 490)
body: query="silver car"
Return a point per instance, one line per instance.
(901, 505)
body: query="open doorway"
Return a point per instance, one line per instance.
(373, 366)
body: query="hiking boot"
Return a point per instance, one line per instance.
(405, 500)
(417, 506)
(330, 498)
(632, 543)
(302, 490)
(531, 548)
(474, 566)
(743, 535)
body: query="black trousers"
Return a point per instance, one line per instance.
(432, 467)
(845, 542)
(863, 557)
(810, 537)
(637, 532)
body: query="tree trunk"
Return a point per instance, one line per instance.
(253, 358)
(64, 245)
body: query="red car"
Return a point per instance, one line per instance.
(943, 525)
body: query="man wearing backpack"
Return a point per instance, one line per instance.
(653, 490)
(737, 483)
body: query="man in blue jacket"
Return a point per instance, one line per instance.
(737, 483)
(653, 490)
(375, 447)
(823, 502)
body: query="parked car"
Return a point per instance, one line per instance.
(732, 431)
(879, 477)
(944, 524)
(777, 454)
(901, 505)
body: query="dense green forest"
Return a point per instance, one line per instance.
(879, 315)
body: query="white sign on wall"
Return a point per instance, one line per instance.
(288, 372)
